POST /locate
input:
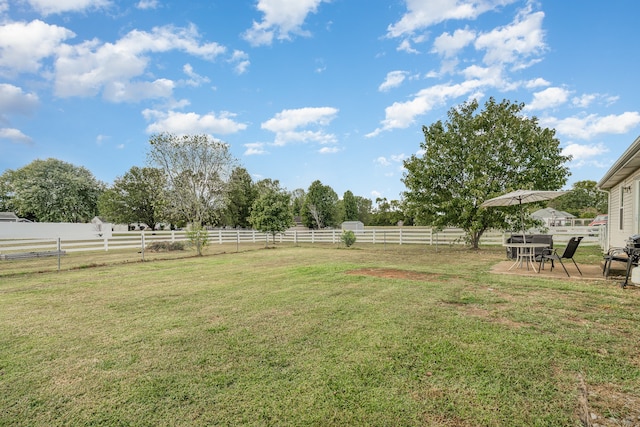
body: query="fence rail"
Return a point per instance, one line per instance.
(378, 235)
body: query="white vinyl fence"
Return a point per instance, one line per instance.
(377, 236)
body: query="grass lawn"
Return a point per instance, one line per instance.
(317, 336)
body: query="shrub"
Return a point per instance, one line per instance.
(348, 238)
(165, 246)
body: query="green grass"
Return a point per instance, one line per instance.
(286, 337)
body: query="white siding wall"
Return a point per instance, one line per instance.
(619, 231)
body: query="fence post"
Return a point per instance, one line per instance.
(173, 236)
(106, 244)
(237, 240)
(373, 237)
(313, 235)
(142, 244)
(400, 230)
(59, 252)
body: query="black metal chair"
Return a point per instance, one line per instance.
(614, 254)
(568, 253)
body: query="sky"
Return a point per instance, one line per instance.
(305, 90)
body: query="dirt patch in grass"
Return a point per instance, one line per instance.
(606, 405)
(390, 273)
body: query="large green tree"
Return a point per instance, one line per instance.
(388, 212)
(197, 169)
(51, 191)
(320, 207)
(350, 206)
(241, 194)
(584, 200)
(474, 156)
(271, 211)
(137, 196)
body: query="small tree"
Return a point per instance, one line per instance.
(271, 212)
(198, 237)
(348, 238)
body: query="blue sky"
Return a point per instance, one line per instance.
(335, 90)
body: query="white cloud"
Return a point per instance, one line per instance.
(405, 46)
(548, 98)
(424, 13)
(587, 127)
(135, 91)
(192, 123)
(329, 150)
(287, 123)
(15, 135)
(449, 45)
(394, 79)
(584, 101)
(511, 44)
(382, 161)
(148, 4)
(241, 61)
(47, 7)
(401, 115)
(388, 161)
(535, 83)
(88, 68)
(281, 19)
(14, 101)
(255, 148)
(23, 46)
(195, 79)
(580, 152)
(100, 139)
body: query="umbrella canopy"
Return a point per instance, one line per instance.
(519, 197)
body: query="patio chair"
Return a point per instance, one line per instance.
(568, 253)
(613, 254)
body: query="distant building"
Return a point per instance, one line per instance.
(9, 217)
(553, 218)
(355, 226)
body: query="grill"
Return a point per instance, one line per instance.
(633, 251)
(633, 242)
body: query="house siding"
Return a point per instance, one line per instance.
(619, 231)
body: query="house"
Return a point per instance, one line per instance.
(622, 182)
(553, 218)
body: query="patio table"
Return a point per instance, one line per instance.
(525, 253)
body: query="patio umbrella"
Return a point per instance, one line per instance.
(519, 197)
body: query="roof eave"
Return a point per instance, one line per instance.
(626, 165)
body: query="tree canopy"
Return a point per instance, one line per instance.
(241, 194)
(271, 211)
(197, 169)
(474, 156)
(584, 200)
(135, 197)
(319, 209)
(51, 191)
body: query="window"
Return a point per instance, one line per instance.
(621, 207)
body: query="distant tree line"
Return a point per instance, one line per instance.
(193, 181)
(188, 180)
